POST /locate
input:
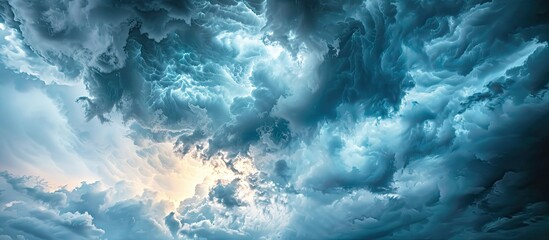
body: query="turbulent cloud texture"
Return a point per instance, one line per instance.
(275, 119)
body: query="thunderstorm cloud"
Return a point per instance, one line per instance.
(274, 119)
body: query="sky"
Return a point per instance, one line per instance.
(274, 119)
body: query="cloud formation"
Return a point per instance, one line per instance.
(87, 212)
(314, 119)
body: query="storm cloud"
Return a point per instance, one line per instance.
(313, 119)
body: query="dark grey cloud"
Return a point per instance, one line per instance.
(140, 71)
(359, 119)
(225, 194)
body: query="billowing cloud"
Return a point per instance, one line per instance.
(285, 119)
(87, 212)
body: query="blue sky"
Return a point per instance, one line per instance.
(259, 119)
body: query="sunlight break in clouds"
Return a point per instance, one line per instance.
(264, 119)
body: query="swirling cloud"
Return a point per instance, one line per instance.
(286, 119)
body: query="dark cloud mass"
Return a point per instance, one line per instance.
(336, 119)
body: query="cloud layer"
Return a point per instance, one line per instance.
(313, 119)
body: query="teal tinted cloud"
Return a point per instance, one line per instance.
(323, 119)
